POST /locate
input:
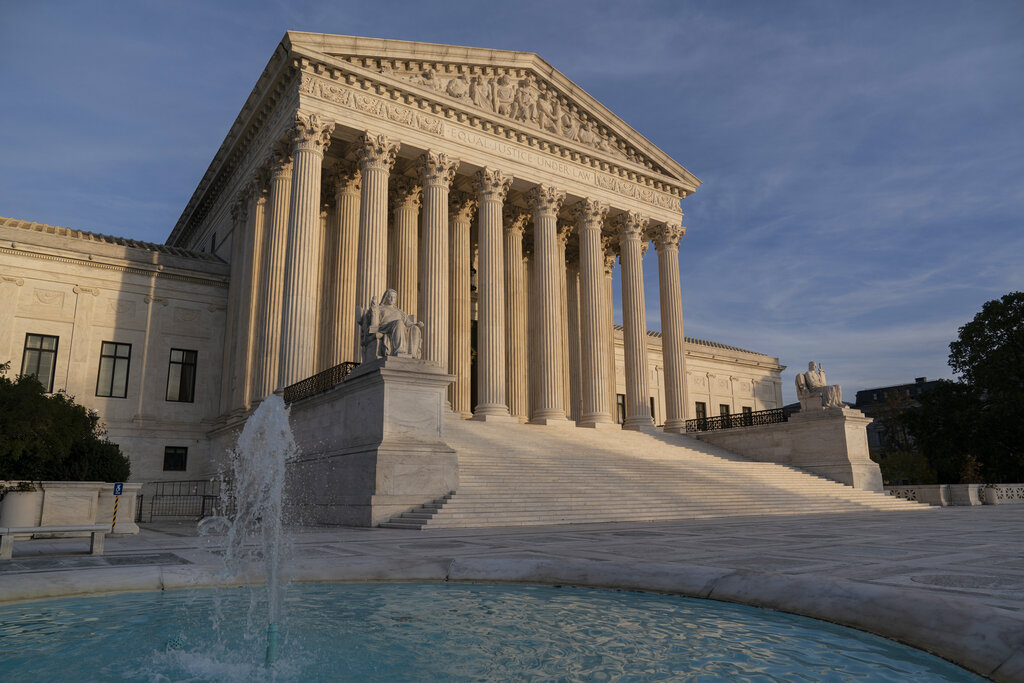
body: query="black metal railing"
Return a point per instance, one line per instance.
(318, 383)
(751, 419)
(185, 499)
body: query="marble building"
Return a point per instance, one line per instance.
(492, 193)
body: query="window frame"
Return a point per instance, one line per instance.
(113, 373)
(170, 369)
(40, 351)
(176, 451)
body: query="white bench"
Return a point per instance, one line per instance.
(97, 531)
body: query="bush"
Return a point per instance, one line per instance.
(51, 438)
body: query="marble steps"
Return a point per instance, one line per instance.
(523, 475)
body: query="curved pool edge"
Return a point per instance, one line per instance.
(989, 643)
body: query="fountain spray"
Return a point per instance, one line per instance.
(257, 491)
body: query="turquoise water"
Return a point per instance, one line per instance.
(442, 632)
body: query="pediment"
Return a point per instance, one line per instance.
(517, 87)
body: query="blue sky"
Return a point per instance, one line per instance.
(863, 162)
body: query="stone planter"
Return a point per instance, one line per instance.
(21, 508)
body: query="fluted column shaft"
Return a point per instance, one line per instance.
(326, 306)
(517, 386)
(593, 323)
(272, 273)
(248, 342)
(347, 189)
(492, 187)
(634, 321)
(437, 170)
(460, 344)
(666, 239)
(229, 376)
(550, 405)
(406, 199)
(562, 238)
(304, 253)
(610, 249)
(376, 158)
(572, 300)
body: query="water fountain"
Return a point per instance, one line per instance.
(255, 490)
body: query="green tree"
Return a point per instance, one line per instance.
(49, 437)
(974, 428)
(899, 458)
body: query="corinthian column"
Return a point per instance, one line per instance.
(312, 136)
(460, 347)
(271, 280)
(594, 328)
(610, 247)
(345, 217)
(229, 378)
(248, 342)
(517, 385)
(437, 170)
(406, 199)
(492, 186)
(550, 406)
(634, 321)
(562, 239)
(666, 240)
(376, 158)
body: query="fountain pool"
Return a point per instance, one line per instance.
(442, 631)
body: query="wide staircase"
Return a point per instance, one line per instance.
(524, 475)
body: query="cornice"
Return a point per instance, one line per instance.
(156, 271)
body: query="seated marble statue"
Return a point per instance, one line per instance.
(386, 330)
(814, 391)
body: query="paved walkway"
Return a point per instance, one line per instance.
(950, 580)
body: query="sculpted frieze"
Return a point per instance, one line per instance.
(519, 96)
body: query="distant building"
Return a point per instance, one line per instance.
(872, 403)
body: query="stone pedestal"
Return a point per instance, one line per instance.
(372, 447)
(829, 442)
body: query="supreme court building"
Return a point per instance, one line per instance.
(493, 194)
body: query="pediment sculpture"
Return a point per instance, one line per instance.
(814, 391)
(386, 330)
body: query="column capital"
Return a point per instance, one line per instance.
(405, 192)
(492, 184)
(546, 200)
(631, 226)
(461, 205)
(279, 160)
(564, 232)
(515, 219)
(311, 132)
(240, 207)
(344, 178)
(589, 213)
(376, 152)
(610, 249)
(437, 168)
(667, 236)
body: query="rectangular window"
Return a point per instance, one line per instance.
(40, 358)
(748, 417)
(653, 417)
(702, 410)
(175, 458)
(620, 407)
(112, 379)
(181, 376)
(747, 409)
(723, 409)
